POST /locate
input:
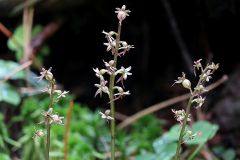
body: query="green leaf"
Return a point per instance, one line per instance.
(168, 152)
(18, 36)
(165, 148)
(229, 154)
(2, 145)
(147, 156)
(4, 156)
(9, 94)
(205, 131)
(8, 66)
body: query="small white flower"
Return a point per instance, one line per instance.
(124, 74)
(197, 65)
(125, 48)
(47, 74)
(200, 89)
(106, 115)
(122, 13)
(185, 82)
(124, 71)
(180, 115)
(206, 76)
(56, 119)
(121, 94)
(102, 88)
(190, 135)
(110, 45)
(38, 133)
(110, 66)
(180, 79)
(213, 66)
(50, 118)
(109, 34)
(60, 94)
(199, 101)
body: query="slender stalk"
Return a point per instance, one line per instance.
(182, 132)
(177, 157)
(48, 140)
(69, 115)
(27, 28)
(111, 95)
(49, 125)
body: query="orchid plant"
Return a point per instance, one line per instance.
(117, 48)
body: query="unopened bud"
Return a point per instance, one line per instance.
(186, 84)
(49, 76)
(107, 112)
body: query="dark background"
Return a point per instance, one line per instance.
(168, 36)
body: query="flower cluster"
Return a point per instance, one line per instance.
(106, 115)
(122, 13)
(196, 99)
(117, 48)
(49, 117)
(204, 76)
(123, 47)
(180, 115)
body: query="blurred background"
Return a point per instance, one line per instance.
(168, 36)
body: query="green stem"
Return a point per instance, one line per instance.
(196, 151)
(49, 125)
(111, 95)
(48, 140)
(177, 156)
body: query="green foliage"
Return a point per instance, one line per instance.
(140, 136)
(8, 66)
(5, 140)
(9, 94)
(165, 146)
(225, 154)
(89, 135)
(83, 135)
(18, 48)
(205, 130)
(4, 156)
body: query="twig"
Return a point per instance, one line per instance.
(176, 33)
(69, 115)
(39, 40)
(9, 34)
(17, 69)
(165, 104)
(120, 116)
(28, 13)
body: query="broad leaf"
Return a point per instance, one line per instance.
(148, 156)
(9, 94)
(229, 154)
(4, 156)
(205, 132)
(16, 42)
(165, 148)
(7, 67)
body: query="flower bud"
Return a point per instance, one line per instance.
(111, 62)
(107, 112)
(186, 84)
(124, 43)
(49, 76)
